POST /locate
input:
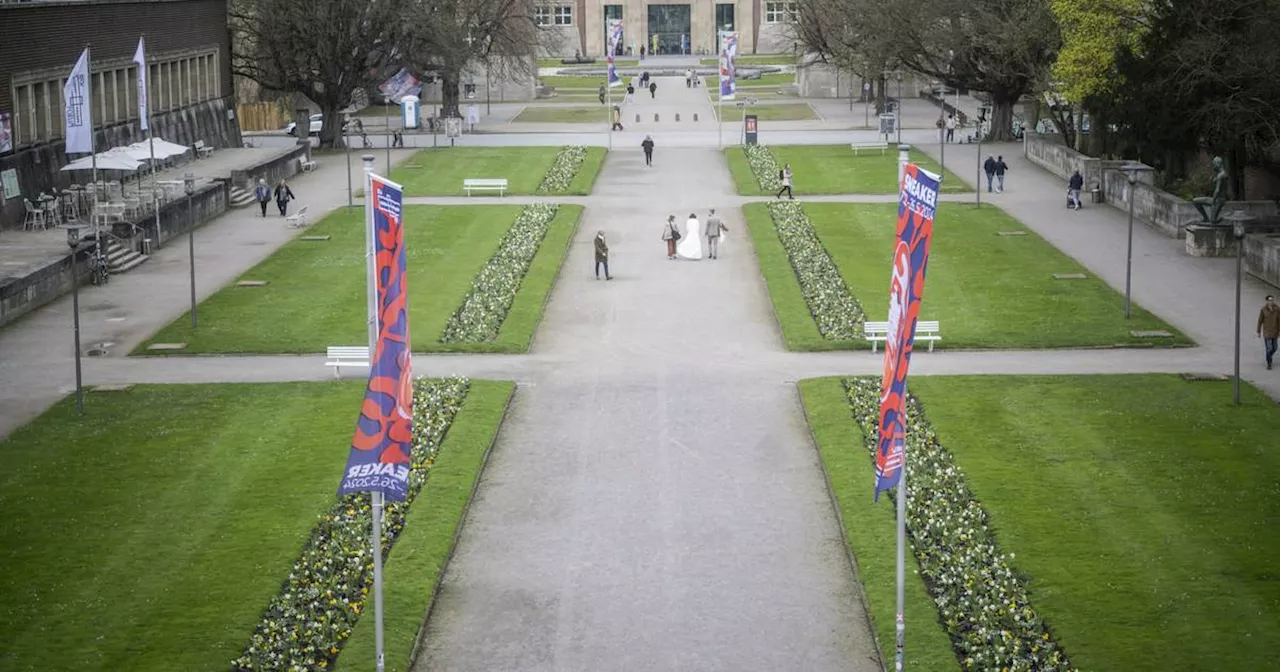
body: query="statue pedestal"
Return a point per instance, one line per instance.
(1210, 240)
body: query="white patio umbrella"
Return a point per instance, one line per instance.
(166, 149)
(106, 161)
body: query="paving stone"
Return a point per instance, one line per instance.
(1011, 233)
(1204, 376)
(113, 387)
(1152, 333)
(1069, 276)
(167, 346)
(252, 283)
(313, 237)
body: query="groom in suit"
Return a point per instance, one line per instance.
(714, 227)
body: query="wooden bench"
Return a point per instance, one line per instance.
(473, 184)
(306, 166)
(856, 146)
(297, 220)
(339, 356)
(203, 150)
(878, 332)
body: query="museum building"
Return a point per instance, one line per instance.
(668, 27)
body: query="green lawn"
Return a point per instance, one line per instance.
(1143, 509)
(870, 532)
(316, 292)
(774, 79)
(988, 291)
(756, 59)
(440, 172)
(743, 92)
(592, 82)
(600, 114)
(835, 169)
(149, 534)
(418, 560)
(772, 112)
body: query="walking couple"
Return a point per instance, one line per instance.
(282, 193)
(689, 244)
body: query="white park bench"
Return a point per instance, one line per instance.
(878, 332)
(858, 146)
(203, 150)
(306, 165)
(339, 356)
(297, 220)
(485, 184)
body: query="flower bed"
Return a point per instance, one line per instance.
(983, 604)
(764, 167)
(835, 311)
(562, 171)
(494, 288)
(304, 626)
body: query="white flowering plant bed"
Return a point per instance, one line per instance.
(494, 288)
(305, 625)
(836, 312)
(764, 167)
(563, 169)
(983, 604)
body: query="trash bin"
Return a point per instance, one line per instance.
(410, 111)
(1097, 194)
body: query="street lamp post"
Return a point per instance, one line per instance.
(1239, 227)
(73, 241)
(189, 186)
(1131, 169)
(386, 109)
(898, 123)
(346, 140)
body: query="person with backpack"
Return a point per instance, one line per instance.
(1074, 185)
(784, 176)
(647, 146)
(602, 256)
(1001, 166)
(671, 234)
(989, 167)
(263, 193)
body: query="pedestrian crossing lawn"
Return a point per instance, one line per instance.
(316, 291)
(440, 171)
(835, 169)
(1142, 507)
(151, 533)
(986, 290)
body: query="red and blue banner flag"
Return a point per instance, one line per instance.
(380, 452)
(917, 202)
(615, 38)
(728, 65)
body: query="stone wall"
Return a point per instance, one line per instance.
(273, 170)
(1262, 257)
(21, 295)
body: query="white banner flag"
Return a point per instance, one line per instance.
(140, 57)
(76, 101)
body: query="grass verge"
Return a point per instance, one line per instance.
(418, 560)
(563, 115)
(755, 59)
(315, 296)
(440, 171)
(835, 169)
(1141, 506)
(869, 531)
(149, 533)
(778, 112)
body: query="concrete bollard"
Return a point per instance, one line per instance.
(677, 116)
(637, 118)
(655, 117)
(695, 116)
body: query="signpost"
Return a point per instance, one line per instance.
(749, 127)
(888, 125)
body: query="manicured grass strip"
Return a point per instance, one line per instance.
(772, 112)
(755, 59)
(316, 292)
(149, 533)
(413, 570)
(440, 171)
(988, 291)
(870, 532)
(1142, 508)
(565, 115)
(579, 81)
(835, 169)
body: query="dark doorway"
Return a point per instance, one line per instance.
(670, 24)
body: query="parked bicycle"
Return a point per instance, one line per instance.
(99, 268)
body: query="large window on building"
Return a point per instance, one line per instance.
(175, 82)
(780, 12)
(553, 15)
(564, 15)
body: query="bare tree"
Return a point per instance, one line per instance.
(321, 49)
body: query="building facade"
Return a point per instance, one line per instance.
(189, 78)
(667, 26)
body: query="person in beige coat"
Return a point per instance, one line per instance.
(714, 227)
(671, 234)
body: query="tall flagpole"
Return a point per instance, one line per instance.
(608, 83)
(902, 557)
(144, 80)
(377, 501)
(93, 145)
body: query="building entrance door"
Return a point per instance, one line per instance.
(670, 25)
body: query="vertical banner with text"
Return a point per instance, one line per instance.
(728, 65)
(379, 458)
(917, 203)
(614, 32)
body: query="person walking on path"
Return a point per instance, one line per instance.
(989, 167)
(283, 196)
(1001, 166)
(951, 128)
(714, 227)
(631, 94)
(1269, 327)
(785, 176)
(1074, 185)
(671, 234)
(263, 192)
(617, 118)
(688, 78)
(647, 146)
(602, 256)
(653, 90)
(600, 94)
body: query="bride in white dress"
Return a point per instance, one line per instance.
(690, 245)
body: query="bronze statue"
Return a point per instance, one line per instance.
(1219, 197)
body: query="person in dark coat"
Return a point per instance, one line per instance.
(600, 93)
(602, 256)
(647, 146)
(653, 89)
(1269, 328)
(1074, 185)
(989, 167)
(1001, 166)
(283, 196)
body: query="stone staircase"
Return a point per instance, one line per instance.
(122, 258)
(241, 197)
